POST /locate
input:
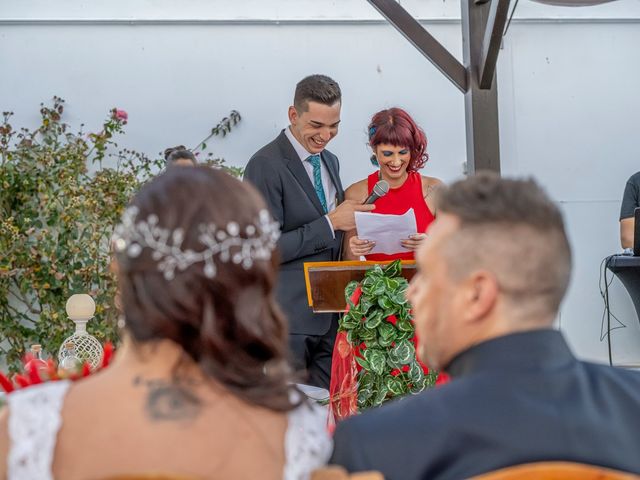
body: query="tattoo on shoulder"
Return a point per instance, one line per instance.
(169, 401)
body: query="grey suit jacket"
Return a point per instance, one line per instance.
(276, 170)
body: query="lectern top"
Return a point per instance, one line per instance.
(326, 281)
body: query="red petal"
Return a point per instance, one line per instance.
(20, 380)
(108, 354)
(52, 371)
(355, 296)
(6, 384)
(442, 379)
(34, 374)
(86, 369)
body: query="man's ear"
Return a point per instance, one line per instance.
(293, 115)
(479, 295)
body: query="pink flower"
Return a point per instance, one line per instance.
(120, 115)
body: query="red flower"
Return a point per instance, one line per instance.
(395, 372)
(405, 368)
(392, 319)
(120, 115)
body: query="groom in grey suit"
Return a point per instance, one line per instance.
(300, 181)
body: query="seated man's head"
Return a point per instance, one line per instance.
(179, 157)
(496, 261)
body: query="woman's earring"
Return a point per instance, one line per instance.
(374, 160)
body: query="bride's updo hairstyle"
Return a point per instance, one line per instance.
(197, 266)
(395, 127)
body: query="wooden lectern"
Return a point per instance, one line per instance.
(326, 281)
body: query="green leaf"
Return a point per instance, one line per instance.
(366, 380)
(365, 304)
(363, 363)
(380, 395)
(404, 326)
(372, 343)
(394, 385)
(378, 288)
(364, 394)
(416, 374)
(385, 302)
(404, 352)
(348, 321)
(392, 284)
(376, 359)
(394, 269)
(373, 320)
(386, 330)
(349, 289)
(367, 334)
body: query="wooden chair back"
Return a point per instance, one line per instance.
(557, 471)
(334, 472)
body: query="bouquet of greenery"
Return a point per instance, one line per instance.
(374, 358)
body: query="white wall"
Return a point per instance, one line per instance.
(568, 106)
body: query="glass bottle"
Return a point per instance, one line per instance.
(70, 364)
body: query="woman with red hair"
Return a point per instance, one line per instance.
(399, 150)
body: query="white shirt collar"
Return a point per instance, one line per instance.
(297, 146)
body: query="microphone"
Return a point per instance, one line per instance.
(380, 189)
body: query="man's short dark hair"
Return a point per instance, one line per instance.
(513, 229)
(316, 88)
(176, 153)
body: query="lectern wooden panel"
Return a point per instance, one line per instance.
(326, 281)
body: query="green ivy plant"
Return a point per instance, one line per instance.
(380, 323)
(58, 206)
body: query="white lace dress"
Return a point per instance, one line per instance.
(35, 418)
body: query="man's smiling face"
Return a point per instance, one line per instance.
(316, 126)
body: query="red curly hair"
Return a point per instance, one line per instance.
(396, 127)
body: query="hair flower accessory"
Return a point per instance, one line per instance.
(231, 243)
(372, 131)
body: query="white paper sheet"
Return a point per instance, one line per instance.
(386, 230)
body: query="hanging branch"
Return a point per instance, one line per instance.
(224, 126)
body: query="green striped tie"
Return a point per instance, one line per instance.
(317, 180)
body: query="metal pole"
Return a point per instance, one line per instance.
(481, 106)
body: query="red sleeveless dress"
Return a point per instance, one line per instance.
(396, 202)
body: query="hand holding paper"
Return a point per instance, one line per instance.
(387, 231)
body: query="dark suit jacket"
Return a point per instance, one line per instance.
(279, 174)
(515, 399)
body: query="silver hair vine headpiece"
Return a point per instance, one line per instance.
(257, 243)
